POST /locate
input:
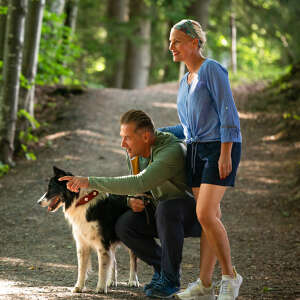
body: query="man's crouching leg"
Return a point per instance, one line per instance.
(134, 231)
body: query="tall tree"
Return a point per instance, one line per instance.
(71, 9)
(118, 14)
(3, 4)
(199, 11)
(33, 28)
(233, 43)
(3, 14)
(138, 54)
(57, 6)
(11, 73)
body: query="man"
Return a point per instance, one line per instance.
(157, 164)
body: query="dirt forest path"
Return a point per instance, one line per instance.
(38, 254)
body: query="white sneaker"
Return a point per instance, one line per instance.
(229, 289)
(197, 291)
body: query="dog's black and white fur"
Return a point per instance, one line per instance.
(93, 228)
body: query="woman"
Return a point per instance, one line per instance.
(211, 128)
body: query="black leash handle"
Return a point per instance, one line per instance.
(146, 201)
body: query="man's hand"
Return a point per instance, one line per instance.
(75, 182)
(136, 204)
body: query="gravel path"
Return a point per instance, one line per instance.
(37, 252)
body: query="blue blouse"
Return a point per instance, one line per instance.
(206, 108)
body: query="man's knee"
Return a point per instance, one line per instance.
(169, 217)
(123, 224)
(168, 211)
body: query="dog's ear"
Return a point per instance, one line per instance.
(58, 172)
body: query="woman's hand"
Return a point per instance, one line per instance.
(75, 182)
(225, 163)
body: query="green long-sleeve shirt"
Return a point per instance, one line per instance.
(163, 174)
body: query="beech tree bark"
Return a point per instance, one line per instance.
(33, 29)
(199, 11)
(233, 43)
(11, 73)
(71, 9)
(3, 18)
(118, 12)
(57, 6)
(138, 54)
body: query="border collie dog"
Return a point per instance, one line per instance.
(92, 215)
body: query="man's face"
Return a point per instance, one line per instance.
(134, 141)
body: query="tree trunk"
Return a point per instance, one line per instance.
(118, 11)
(71, 10)
(2, 28)
(57, 6)
(11, 73)
(233, 43)
(138, 56)
(198, 10)
(31, 49)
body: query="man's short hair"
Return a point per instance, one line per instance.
(139, 118)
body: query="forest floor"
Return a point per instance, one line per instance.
(37, 251)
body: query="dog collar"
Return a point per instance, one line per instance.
(87, 198)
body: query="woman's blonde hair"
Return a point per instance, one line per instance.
(193, 29)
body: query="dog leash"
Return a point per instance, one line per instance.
(146, 201)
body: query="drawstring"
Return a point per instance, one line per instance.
(194, 156)
(194, 143)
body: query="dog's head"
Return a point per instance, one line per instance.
(57, 194)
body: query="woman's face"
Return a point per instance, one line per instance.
(181, 45)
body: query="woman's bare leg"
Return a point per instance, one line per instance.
(208, 213)
(207, 256)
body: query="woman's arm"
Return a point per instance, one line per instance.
(177, 130)
(220, 91)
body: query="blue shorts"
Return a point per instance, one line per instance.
(202, 164)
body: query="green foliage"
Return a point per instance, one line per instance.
(27, 138)
(3, 10)
(3, 169)
(29, 155)
(30, 118)
(58, 51)
(1, 66)
(268, 73)
(24, 82)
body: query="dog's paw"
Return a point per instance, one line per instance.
(112, 283)
(101, 290)
(77, 289)
(133, 283)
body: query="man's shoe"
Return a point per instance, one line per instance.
(154, 280)
(229, 289)
(197, 291)
(164, 288)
